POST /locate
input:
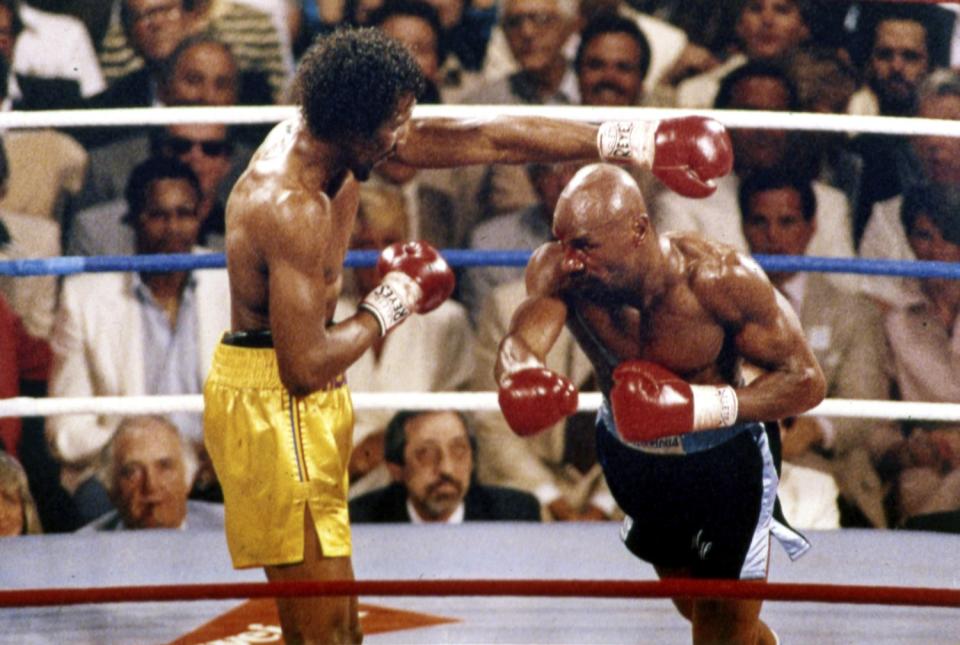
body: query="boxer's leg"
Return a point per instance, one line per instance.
(317, 619)
(721, 621)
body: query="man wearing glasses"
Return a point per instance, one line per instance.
(208, 151)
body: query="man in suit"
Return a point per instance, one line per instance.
(845, 333)
(430, 456)
(900, 40)
(127, 334)
(147, 470)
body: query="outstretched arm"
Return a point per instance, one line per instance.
(434, 143)
(686, 153)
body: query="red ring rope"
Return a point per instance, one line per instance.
(672, 588)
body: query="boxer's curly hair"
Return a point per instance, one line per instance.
(350, 82)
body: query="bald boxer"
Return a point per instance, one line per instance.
(278, 418)
(667, 322)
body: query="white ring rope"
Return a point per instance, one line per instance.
(466, 401)
(275, 113)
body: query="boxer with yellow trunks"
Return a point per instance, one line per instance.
(276, 454)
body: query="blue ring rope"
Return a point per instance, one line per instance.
(459, 258)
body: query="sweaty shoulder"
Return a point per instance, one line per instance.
(543, 270)
(727, 283)
(269, 199)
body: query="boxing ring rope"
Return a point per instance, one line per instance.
(577, 588)
(458, 258)
(467, 401)
(266, 114)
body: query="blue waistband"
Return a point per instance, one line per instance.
(683, 444)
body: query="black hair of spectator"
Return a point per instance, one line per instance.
(777, 179)
(614, 23)
(395, 436)
(756, 69)
(145, 173)
(350, 83)
(940, 203)
(937, 22)
(415, 8)
(16, 22)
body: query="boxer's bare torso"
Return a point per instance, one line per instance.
(677, 328)
(284, 194)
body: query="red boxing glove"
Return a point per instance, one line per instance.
(416, 279)
(650, 402)
(685, 153)
(533, 399)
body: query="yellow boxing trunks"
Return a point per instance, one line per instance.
(276, 454)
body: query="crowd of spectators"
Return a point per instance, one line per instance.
(140, 190)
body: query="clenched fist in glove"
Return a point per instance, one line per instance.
(686, 153)
(534, 398)
(649, 402)
(415, 279)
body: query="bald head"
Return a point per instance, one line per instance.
(599, 195)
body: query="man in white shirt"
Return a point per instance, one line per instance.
(147, 471)
(48, 46)
(846, 335)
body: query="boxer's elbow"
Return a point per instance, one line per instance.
(300, 378)
(812, 386)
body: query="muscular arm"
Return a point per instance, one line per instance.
(299, 254)
(439, 143)
(768, 334)
(538, 321)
